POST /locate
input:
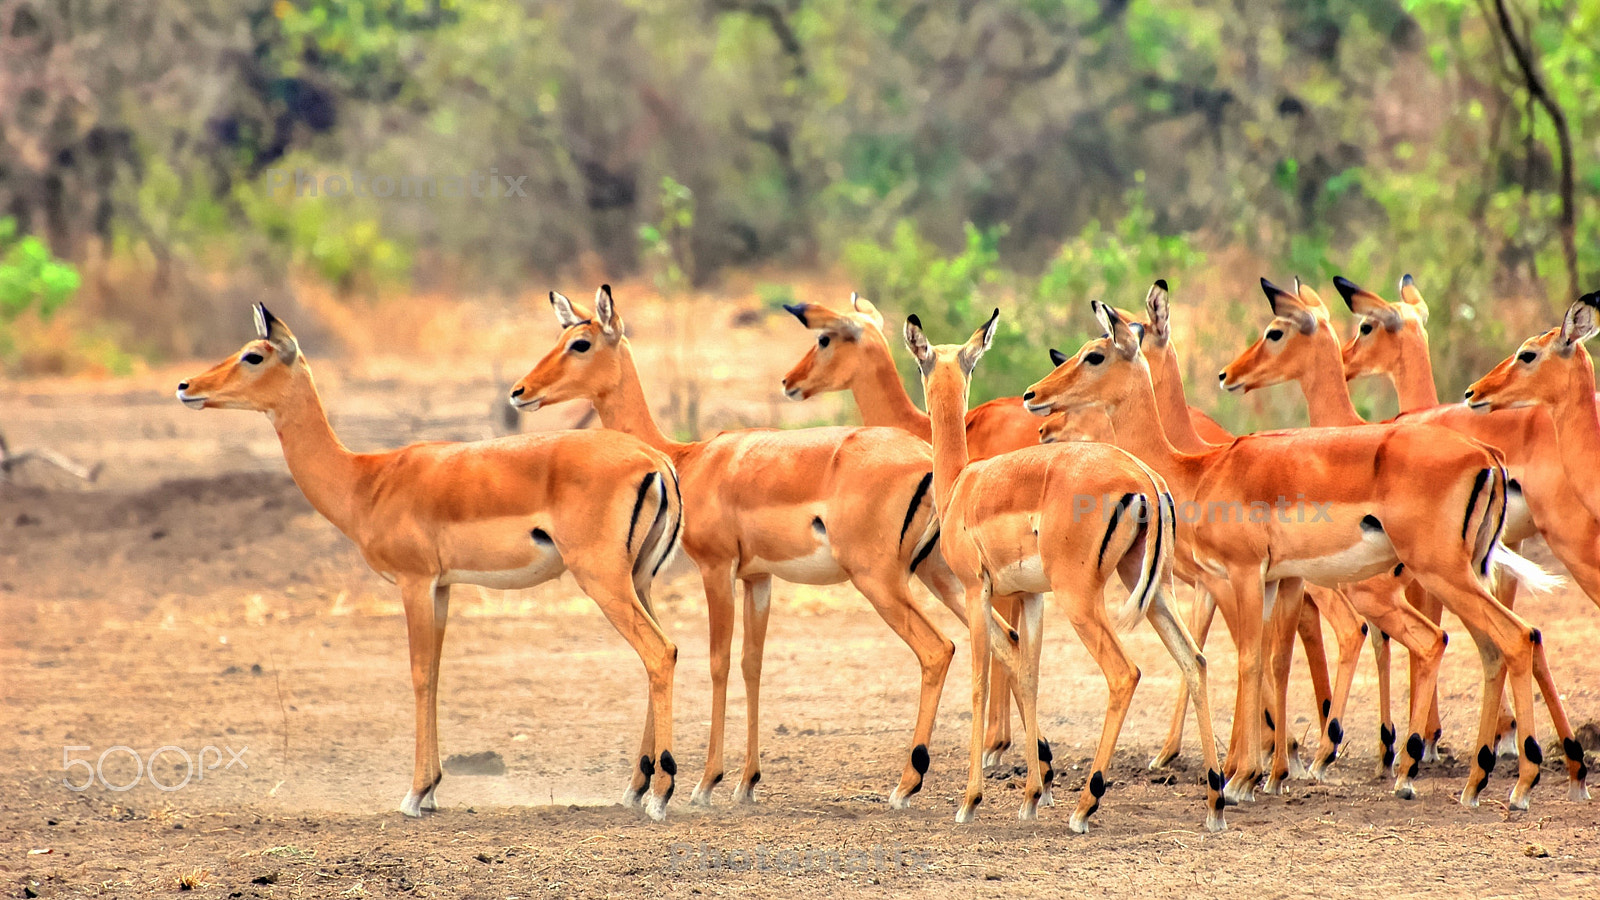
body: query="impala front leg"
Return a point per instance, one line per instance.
(424, 636)
(979, 621)
(757, 604)
(718, 583)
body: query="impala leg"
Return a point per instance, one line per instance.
(1426, 643)
(757, 605)
(1285, 617)
(640, 783)
(1192, 665)
(1381, 657)
(1243, 615)
(718, 583)
(997, 740)
(1087, 613)
(1433, 609)
(441, 613)
(1030, 640)
(1309, 627)
(614, 594)
(422, 636)
(978, 623)
(1504, 589)
(1351, 633)
(1577, 771)
(1203, 611)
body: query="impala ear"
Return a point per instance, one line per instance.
(1155, 305)
(1365, 303)
(1409, 294)
(565, 314)
(917, 343)
(1123, 337)
(1289, 306)
(979, 343)
(864, 306)
(1581, 322)
(798, 310)
(1057, 357)
(1103, 314)
(1309, 298)
(605, 312)
(272, 330)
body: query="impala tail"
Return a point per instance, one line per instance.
(1153, 535)
(1488, 507)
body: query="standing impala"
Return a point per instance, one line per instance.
(1554, 370)
(1380, 495)
(811, 506)
(1062, 519)
(506, 513)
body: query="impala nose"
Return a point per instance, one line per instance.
(1221, 377)
(518, 392)
(183, 385)
(1028, 396)
(1467, 395)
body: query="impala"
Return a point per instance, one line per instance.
(506, 513)
(1299, 345)
(1365, 480)
(811, 506)
(1056, 518)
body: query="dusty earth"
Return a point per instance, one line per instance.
(191, 599)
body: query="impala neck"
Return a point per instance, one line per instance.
(881, 396)
(1578, 436)
(947, 418)
(1167, 380)
(1131, 419)
(622, 406)
(320, 464)
(1327, 396)
(1413, 379)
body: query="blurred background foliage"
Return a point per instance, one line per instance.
(945, 156)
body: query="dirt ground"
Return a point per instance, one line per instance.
(191, 599)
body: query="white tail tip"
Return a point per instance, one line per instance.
(1529, 573)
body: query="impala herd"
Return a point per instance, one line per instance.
(1376, 528)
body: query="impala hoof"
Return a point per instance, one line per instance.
(1048, 798)
(412, 805)
(967, 812)
(1577, 792)
(1215, 823)
(700, 797)
(656, 807)
(1163, 759)
(1405, 792)
(899, 800)
(1078, 823)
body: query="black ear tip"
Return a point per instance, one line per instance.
(1161, 283)
(606, 288)
(798, 310)
(913, 320)
(994, 315)
(1347, 288)
(552, 296)
(1057, 357)
(1407, 281)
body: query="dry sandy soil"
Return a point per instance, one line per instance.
(192, 599)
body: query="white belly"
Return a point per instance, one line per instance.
(816, 567)
(1371, 555)
(545, 567)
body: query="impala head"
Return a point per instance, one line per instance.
(947, 368)
(1104, 373)
(1287, 348)
(586, 360)
(259, 376)
(833, 361)
(1385, 332)
(1548, 368)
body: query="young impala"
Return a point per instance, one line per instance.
(1056, 518)
(811, 506)
(506, 513)
(1368, 514)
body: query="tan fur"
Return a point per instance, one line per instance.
(751, 500)
(432, 514)
(1367, 471)
(1016, 523)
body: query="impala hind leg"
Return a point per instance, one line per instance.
(1426, 642)
(1285, 617)
(1192, 665)
(1030, 641)
(1086, 612)
(426, 605)
(979, 621)
(1351, 633)
(615, 596)
(718, 582)
(1309, 628)
(997, 740)
(1201, 614)
(1242, 612)
(1382, 658)
(891, 597)
(1430, 607)
(1577, 771)
(757, 606)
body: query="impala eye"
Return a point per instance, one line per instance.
(1366, 327)
(579, 346)
(253, 359)
(1275, 334)
(822, 341)
(1095, 358)
(1527, 356)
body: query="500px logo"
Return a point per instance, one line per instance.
(96, 770)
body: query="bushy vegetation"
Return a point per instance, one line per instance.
(1052, 151)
